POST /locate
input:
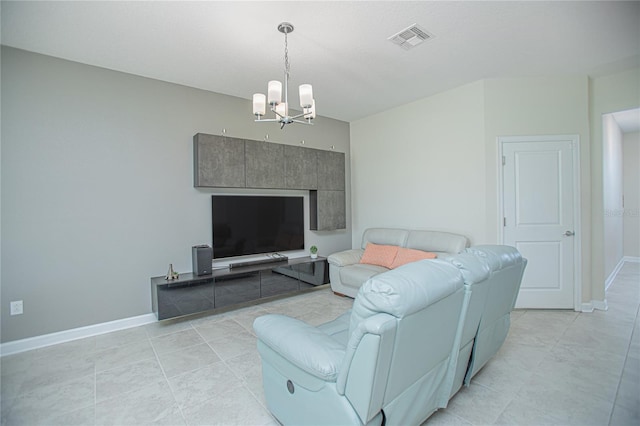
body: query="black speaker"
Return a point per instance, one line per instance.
(201, 258)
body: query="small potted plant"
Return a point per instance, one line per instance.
(314, 252)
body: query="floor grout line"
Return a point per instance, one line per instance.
(624, 366)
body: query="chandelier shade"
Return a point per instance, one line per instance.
(275, 92)
(274, 98)
(259, 104)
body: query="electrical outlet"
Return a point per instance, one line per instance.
(16, 307)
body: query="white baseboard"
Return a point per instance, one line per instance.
(613, 274)
(600, 305)
(619, 266)
(17, 346)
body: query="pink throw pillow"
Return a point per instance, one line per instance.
(378, 254)
(406, 255)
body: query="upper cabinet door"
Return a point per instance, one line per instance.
(331, 171)
(300, 167)
(264, 164)
(327, 210)
(218, 161)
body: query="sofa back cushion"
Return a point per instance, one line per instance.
(429, 241)
(386, 236)
(436, 241)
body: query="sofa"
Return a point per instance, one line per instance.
(414, 336)
(347, 273)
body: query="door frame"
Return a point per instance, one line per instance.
(577, 213)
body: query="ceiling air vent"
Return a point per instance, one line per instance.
(410, 37)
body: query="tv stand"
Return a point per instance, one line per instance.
(191, 294)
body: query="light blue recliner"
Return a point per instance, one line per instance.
(415, 335)
(392, 352)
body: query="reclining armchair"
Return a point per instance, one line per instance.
(389, 360)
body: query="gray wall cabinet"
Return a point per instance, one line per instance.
(218, 161)
(300, 167)
(224, 162)
(328, 210)
(264, 164)
(331, 171)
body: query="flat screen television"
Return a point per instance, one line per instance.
(255, 224)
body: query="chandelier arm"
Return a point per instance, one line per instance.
(277, 120)
(278, 114)
(302, 122)
(299, 115)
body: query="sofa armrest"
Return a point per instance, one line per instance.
(347, 257)
(305, 346)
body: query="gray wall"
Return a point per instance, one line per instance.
(97, 187)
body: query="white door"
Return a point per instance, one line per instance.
(539, 200)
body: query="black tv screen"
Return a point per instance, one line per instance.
(253, 224)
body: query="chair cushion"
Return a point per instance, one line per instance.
(474, 269)
(304, 345)
(498, 257)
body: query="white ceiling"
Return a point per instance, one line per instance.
(340, 47)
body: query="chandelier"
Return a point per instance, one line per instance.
(274, 95)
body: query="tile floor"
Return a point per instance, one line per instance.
(556, 368)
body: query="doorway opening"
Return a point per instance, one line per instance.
(621, 189)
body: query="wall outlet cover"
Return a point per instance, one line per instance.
(17, 307)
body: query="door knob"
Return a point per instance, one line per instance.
(569, 234)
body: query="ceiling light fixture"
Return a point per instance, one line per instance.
(274, 92)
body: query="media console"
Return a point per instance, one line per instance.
(190, 294)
